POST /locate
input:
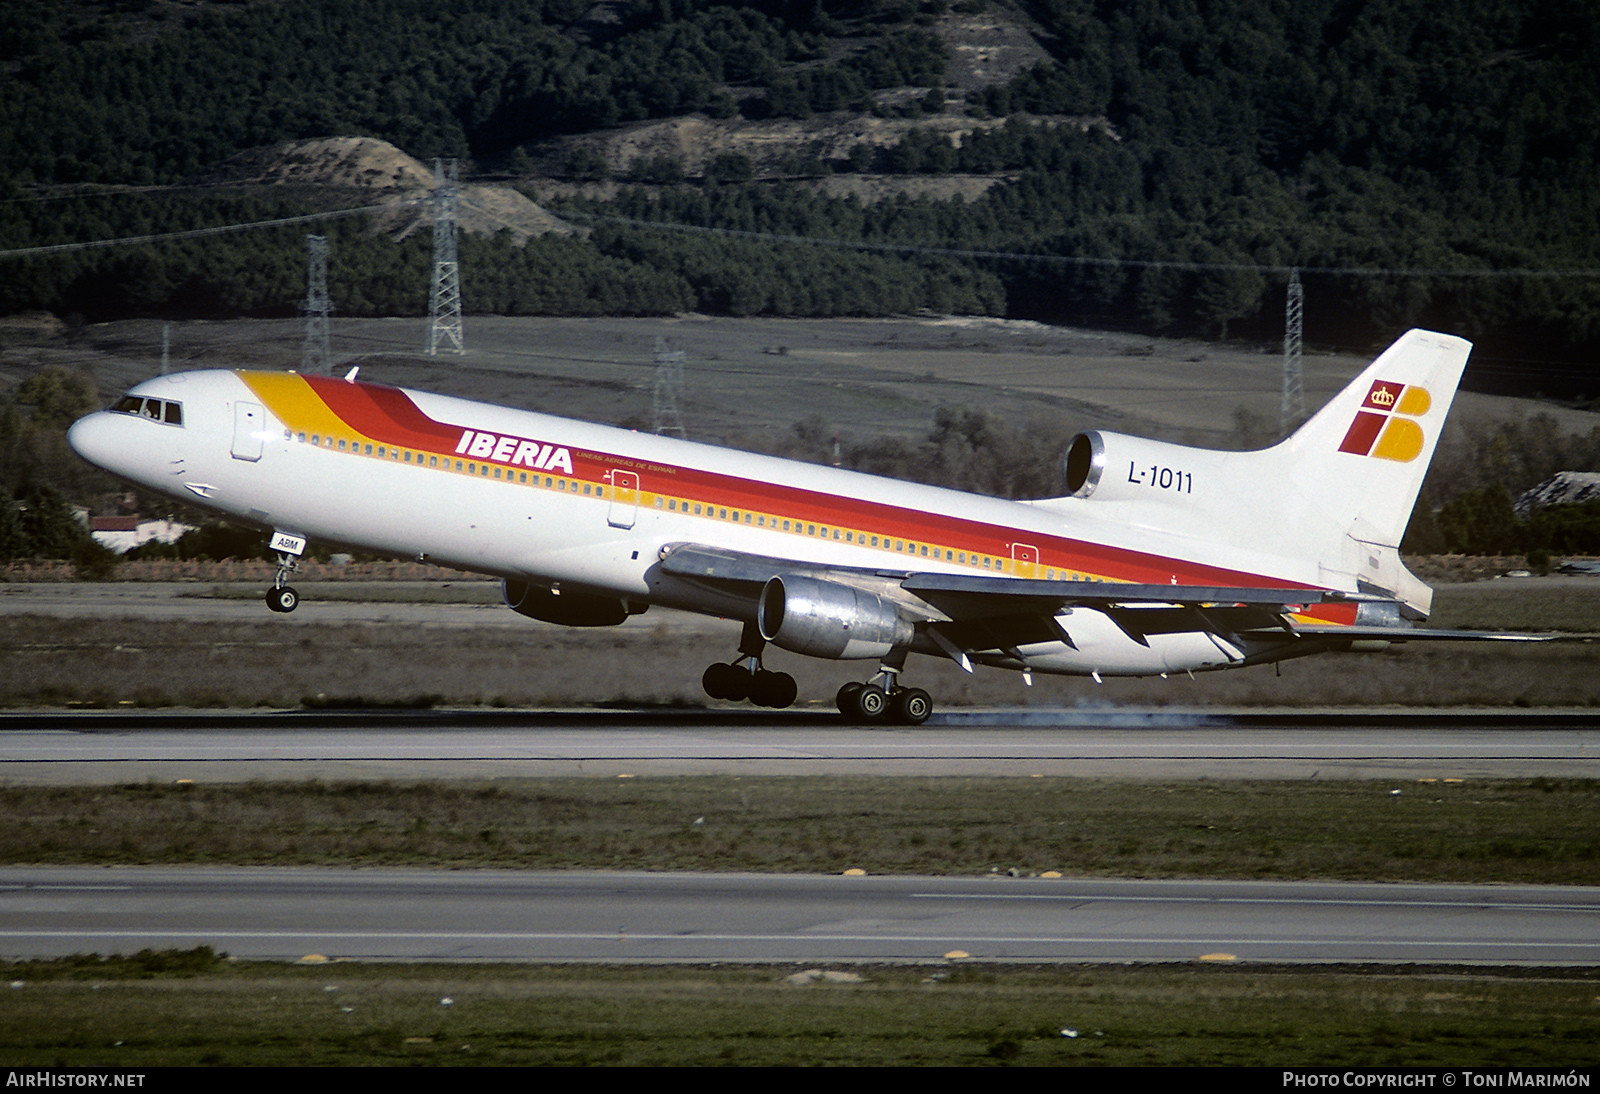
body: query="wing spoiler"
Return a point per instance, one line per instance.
(1100, 593)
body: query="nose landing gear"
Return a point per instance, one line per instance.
(281, 597)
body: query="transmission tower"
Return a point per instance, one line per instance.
(444, 324)
(1294, 396)
(315, 357)
(664, 417)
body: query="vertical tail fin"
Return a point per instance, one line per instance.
(1328, 504)
(1354, 469)
(1363, 455)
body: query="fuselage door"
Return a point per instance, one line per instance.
(1024, 560)
(249, 423)
(624, 499)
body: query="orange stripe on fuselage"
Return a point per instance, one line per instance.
(293, 403)
(386, 416)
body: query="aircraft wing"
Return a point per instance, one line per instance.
(953, 588)
(973, 612)
(719, 566)
(979, 594)
(988, 612)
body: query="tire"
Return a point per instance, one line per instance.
(737, 683)
(846, 700)
(725, 681)
(283, 600)
(773, 689)
(871, 703)
(911, 707)
(714, 680)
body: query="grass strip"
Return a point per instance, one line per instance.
(193, 1008)
(1541, 831)
(292, 661)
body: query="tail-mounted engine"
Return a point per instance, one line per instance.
(829, 619)
(1113, 465)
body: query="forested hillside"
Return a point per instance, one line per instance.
(1416, 158)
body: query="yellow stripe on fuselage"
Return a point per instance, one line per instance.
(293, 403)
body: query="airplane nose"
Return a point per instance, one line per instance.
(94, 438)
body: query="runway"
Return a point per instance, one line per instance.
(57, 748)
(278, 914)
(681, 917)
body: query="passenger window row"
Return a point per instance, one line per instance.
(419, 459)
(762, 520)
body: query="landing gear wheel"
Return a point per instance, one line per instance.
(846, 699)
(724, 681)
(773, 689)
(870, 703)
(283, 599)
(711, 679)
(910, 707)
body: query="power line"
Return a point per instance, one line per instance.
(192, 233)
(114, 190)
(1078, 260)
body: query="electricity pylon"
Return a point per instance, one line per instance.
(444, 306)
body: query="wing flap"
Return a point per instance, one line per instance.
(1000, 632)
(936, 587)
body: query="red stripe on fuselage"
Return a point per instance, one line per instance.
(389, 415)
(957, 533)
(384, 413)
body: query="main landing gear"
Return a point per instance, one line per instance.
(281, 597)
(744, 678)
(882, 699)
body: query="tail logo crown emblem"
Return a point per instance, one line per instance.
(1385, 425)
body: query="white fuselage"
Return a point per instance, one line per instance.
(590, 508)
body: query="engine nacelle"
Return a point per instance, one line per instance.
(567, 608)
(828, 619)
(1114, 465)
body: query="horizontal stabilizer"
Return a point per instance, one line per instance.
(1425, 634)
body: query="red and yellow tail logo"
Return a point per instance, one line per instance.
(1383, 427)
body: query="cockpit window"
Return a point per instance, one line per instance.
(157, 410)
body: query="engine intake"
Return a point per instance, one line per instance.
(1085, 462)
(829, 619)
(1106, 465)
